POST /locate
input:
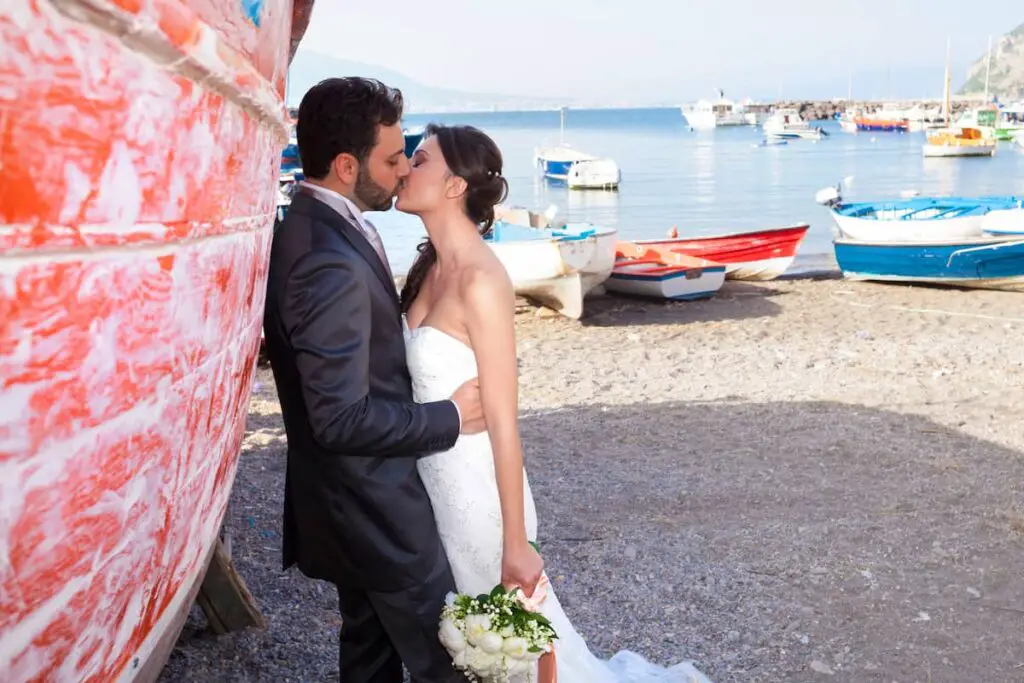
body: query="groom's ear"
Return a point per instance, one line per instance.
(346, 168)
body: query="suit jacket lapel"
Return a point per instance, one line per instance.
(354, 236)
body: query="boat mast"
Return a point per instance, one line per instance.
(561, 125)
(988, 66)
(946, 95)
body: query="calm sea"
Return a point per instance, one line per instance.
(711, 182)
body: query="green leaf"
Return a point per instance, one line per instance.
(498, 591)
(535, 546)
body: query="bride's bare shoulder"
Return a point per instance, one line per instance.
(485, 281)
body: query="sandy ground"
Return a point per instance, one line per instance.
(794, 481)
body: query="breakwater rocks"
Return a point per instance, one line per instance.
(819, 110)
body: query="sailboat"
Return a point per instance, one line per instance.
(575, 168)
(959, 141)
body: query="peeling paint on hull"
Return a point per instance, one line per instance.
(140, 144)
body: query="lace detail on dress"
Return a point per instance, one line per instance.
(461, 482)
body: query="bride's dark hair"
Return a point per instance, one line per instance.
(471, 155)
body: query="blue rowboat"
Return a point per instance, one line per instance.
(987, 263)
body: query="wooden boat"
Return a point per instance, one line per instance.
(577, 169)
(642, 271)
(754, 255)
(134, 237)
(926, 219)
(788, 123)
(959, 142)
(987, 263)
(879, 124)
(546, 266)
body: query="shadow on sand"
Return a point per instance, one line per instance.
(764, 541)
(735, 301)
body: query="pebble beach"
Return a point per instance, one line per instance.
(799, 480)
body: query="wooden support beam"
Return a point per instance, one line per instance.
(227, 603)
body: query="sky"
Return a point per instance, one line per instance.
(662, 49)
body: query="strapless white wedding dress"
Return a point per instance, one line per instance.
(464, 493)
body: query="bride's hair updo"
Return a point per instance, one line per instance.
(471, 155)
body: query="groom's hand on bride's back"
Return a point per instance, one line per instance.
(471, 411)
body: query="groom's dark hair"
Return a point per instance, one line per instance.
(341, 115)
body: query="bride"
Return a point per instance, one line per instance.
(459, 305)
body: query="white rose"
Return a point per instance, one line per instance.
(481, 662)
(451, 637)
(460, 659)
(515, 648)
(476, 626)
(490, 642)
(515, 667)
(507, 632)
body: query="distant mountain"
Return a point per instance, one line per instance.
(309, 68)
(1006, 78)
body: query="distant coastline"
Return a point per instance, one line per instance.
(814, 110)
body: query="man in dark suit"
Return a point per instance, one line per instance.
(355, 512)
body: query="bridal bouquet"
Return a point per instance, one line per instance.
(495, 636)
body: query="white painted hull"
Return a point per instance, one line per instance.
(678, 286)
(939, 230)
(1003, 222)
(700, 120)
(594, 175)
(801, 133)
(548, 271)
(763, 270)
(600, 266)
(948, 151)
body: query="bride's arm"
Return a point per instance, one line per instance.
(490, 322)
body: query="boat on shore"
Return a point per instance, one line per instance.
(751, 255)
(927, 219)
(983, 263)
(646, 272)
(553, 264)
(132, 282)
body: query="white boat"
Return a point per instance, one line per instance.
(914, 219)
(640, 271)
(707, 115)
(593, 174)
(576, 168)
(553, 266)
(787, 123)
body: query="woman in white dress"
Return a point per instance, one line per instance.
(459, 305)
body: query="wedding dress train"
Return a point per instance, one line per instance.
(464, 493)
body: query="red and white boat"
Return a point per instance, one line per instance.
(136, 215)
(755, 255)
(642, 271)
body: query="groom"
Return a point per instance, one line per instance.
(355, 511)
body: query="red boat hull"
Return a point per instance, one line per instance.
(756, 255)
(141, 145)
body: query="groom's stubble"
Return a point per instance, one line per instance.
(372, 195)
